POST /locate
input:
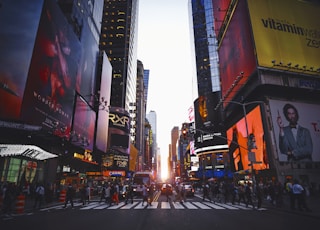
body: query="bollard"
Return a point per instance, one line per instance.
(62, 198)
(20, 203)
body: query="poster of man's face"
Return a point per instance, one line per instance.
(304, 115)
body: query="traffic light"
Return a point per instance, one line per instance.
(252, 142)
(184, 131)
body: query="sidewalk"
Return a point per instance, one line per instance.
(313, 202)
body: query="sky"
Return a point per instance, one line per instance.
(164, 48)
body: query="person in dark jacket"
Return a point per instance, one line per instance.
(69, 196)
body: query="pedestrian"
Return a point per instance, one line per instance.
(107, 194)
(206, 189)
(248, 194)
(83, 195)
(129, 193)
(102, 193)
(88, 194)
(8, 196)
(299, 194)
(259, 193)
(289, 192)
(168, 192)
(69, 196)
(39, 196)
(241, 193)
(116, 193)
(144, 194)
(183, 194)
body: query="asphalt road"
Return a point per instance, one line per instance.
(194, 214)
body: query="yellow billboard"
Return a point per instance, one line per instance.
(286, 34)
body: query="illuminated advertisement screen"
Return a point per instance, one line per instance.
(103, 114)
(119, 130)
(49, 95)
(236, 57)
(237, 141)
(83, 125)
(207, 124)
(15, 52)
(296, 130)
(286, 31)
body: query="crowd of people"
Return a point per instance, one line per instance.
(223, 191)
(246, 192)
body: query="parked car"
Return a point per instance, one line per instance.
(189, 189)
(166, 187)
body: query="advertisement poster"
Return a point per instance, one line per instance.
(283, 29)
(296, 127)
(83, 125)
(49, 95)
(237, 141)
(207, 123)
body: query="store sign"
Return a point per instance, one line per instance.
(108, 173)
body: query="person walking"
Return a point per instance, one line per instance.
(290, 193)
(206, 189)
(168, 191)
(129, 194)
(107, 194)
(88, 193)
(299, 194)
(144, 194)
(248, 194)
(102, 193)
(69, 196)
(39, 196)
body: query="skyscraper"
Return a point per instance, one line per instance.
(119, 41)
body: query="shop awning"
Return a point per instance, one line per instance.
(30, 151)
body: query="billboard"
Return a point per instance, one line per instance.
(49, 94)
(15, 52)
(83, 127)
(103, 114)
(288, 32)
(296, 127)
(86, 77)
(118, 152)
(236, 57)
(208, 124)
(237, 141)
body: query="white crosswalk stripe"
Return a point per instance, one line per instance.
(158, 205)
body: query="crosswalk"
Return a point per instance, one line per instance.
(136, 205)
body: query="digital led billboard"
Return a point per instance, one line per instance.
(83, 126)
(288, 33)
(209, 129)
(237, 141)
(236, 52)
(296, 127)
(50, 89)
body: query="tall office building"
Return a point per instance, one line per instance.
(152, 118)
(119, 41)
(207, 119)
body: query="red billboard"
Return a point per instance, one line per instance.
(50, 89)
(236, 52)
